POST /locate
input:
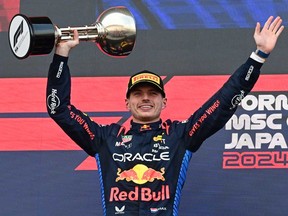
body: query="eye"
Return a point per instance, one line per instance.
(154, 93)
(136, 93)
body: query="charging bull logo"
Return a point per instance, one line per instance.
(140, 174)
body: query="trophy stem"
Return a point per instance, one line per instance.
(86, 33)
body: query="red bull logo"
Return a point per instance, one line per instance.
(145, 127)
(140, 174)
(146, 194)
(151, 174)
(129, 175)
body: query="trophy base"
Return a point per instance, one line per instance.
(31, 36)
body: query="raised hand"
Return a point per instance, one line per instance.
(267, 37)
(63, 47)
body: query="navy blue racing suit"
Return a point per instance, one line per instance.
(142, 170)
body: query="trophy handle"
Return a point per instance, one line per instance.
(114, 32)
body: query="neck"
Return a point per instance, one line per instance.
(145, 122)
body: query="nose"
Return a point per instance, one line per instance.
(145, 97)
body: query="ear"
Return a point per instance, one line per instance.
(164, 103)
(127, 104)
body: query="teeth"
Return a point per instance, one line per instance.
(145, 106)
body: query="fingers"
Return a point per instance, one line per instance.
(278, 27)
(275, 27)
(279, 31)
(63, 47)
(76, 36)
(268, 22)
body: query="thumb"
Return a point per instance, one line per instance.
(257, 29)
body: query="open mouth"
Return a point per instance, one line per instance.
(145, 107)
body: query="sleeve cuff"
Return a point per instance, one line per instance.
(255, 57)
(58, 58)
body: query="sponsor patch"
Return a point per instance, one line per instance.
(53, 101)
(146, 76)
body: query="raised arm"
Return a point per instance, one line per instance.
(77, 125)
(214, 114)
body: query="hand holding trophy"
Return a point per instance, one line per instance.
(114, 32)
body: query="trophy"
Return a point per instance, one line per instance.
(114, 32)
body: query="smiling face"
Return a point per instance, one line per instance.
(145, 103)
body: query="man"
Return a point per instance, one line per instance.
(142, 169)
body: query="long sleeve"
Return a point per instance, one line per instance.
(75, 124)
(214, 114)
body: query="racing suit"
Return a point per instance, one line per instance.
(142, 170)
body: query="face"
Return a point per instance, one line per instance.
(145, 103)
